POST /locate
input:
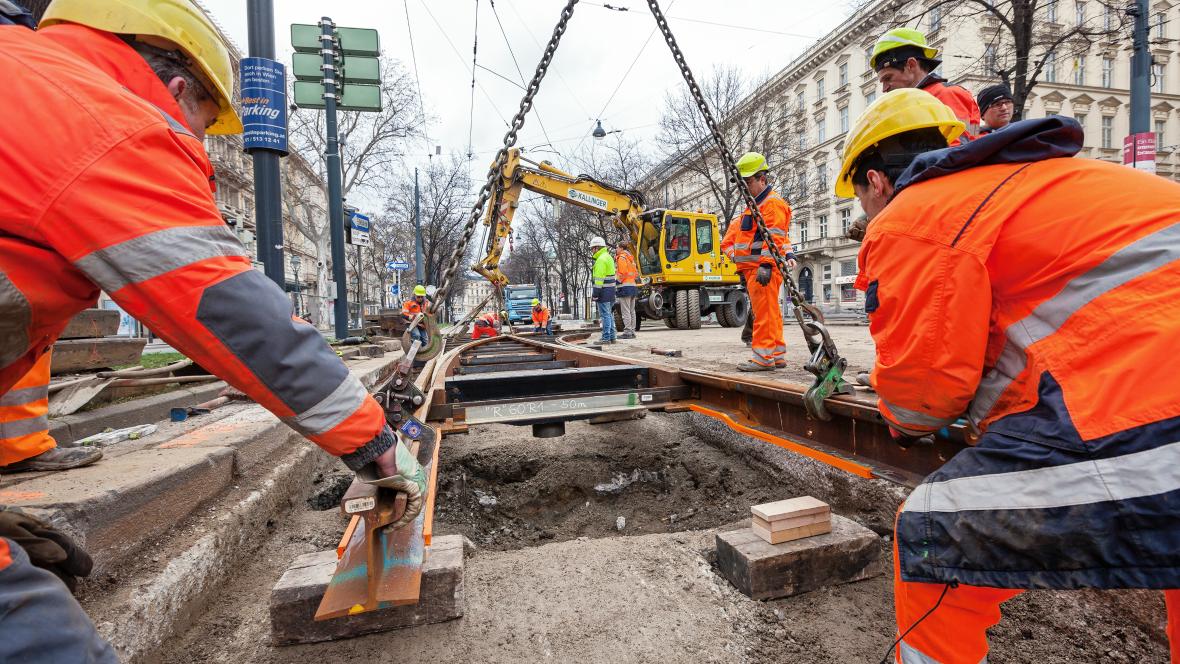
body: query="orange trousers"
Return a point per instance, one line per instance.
(768, 344)
(24, 415)
(956, 632)
(478, 332)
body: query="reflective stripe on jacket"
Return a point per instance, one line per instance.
(1033, 296)
(109, 191)
(411, 308)
(604, 276)
(743, 242)
(958, 99)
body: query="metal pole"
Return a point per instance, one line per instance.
(360, 288)
(419, 264)
(1140, 70)
(335, 200)
(268, 192)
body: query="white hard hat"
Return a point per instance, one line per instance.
(597, 241)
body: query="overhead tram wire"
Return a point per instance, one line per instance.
(713, 23)
(625, 75)
(561, 78)
(515, 62)
(462, 60)
(417, 79)
(474, 65)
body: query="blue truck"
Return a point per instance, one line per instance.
(518, 298)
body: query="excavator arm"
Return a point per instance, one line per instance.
(623, 206)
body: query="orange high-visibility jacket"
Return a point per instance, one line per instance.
(958, 99)
(105, 188)
(743, 242)
(981, 281)
(626, 272)
(540, 315)
(411, 308)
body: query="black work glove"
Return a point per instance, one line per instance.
(906, 441)
(763, 276)
(48, 548)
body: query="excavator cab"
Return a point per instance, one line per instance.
(677, 247)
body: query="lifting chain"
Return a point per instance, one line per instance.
(825, 363)
(526, 104)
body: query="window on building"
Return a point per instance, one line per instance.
(823, 232)
(935, 16)
(1108, 17)
(848, 267)
(1107, 72)
(819, 89)
(844, 120)
(843, 74)
(845, 224)
(1160, 22)
(803, 232)
(1050, 67)
(821, 177)
(1079, 13)
(847, 293)
(821, 128)
(1157, 77)
(1159, 133)
(1107, 131)
(1079, 70)
(989, 58)
(871, 96)
(1081, 118)
(827, 267)
(869, 57)
(802, 100)
(802, 141)
(827, 292)
(1051, 11)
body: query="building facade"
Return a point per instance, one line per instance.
(819, 96)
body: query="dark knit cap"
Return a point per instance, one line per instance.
(991, 95)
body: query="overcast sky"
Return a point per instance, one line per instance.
(592, 61)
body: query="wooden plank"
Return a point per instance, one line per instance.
(88, 354)
(790, 508)
(791, 534)
(793, 522)
(91, 323)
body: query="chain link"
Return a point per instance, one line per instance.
(730, 166)
(526, 104)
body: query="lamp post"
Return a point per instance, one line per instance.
(295, 263)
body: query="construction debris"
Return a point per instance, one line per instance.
(667, 352)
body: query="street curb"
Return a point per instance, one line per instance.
(69, 428)
(138, 620)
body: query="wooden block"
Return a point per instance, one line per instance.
(762, 570)
(792, 507)
(789, 534)
(793, 522)
(92, 323)
(371, 350)
(87, 354)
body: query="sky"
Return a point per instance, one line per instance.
(609, 65)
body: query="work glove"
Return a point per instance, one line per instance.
(906, 441)
(763, 275)
(857, 230)
(397, 469)
(48, 548)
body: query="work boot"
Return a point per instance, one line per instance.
(780, 364)
(750, 365)
(57, 458)
(626, 334)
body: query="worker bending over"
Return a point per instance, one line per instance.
(108, 188)
(902, 59)
(541, 322)
(750, 253)
(628, 288)
(411, 308)
(1035, 293)
(603, 294)
(487, 325)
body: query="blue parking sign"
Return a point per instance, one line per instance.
(264, 104)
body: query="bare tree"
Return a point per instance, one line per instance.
(1028, 41)
(752, 121)
(305, 203)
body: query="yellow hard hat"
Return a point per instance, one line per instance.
(178, 22)
(419, 290)
(899, 37)
(536, 302)
(751, 163)
(894, 112)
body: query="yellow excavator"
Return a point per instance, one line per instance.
(684, 275)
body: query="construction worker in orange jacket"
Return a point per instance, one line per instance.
(541, 319)
(109, 188)
(418, 304)
(1035, 294)
(628, 289)
(902, 59)
(487, 325)
(747, 248)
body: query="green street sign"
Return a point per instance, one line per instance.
(356, 69)
(358, 41)
(305, 38)
(310, 94)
